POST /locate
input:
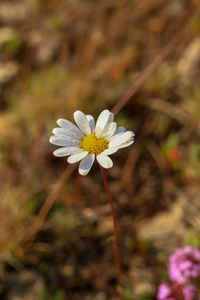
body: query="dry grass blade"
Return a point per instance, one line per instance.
(169, 109)
(156, 154)
(129, 165)
(49, 202)
(141, 78)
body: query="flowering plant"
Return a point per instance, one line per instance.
(88, 140)
(184, 268)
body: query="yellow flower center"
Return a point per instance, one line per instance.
(93, 145)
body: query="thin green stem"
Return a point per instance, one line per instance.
(116, 251)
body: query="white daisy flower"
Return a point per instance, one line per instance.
(85, 141)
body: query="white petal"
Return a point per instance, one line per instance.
(82, 122)
(64, 141)
(109, 121)
(91, 122)
(101, 131)
(77, 157)
(104, 161)
(86, 164)
(66, 132)
(119, 130)
(120, 139)
(59, 131)
(98, 132)
(109, 131)
(110, 150)
(103, 119)
(67, 151)
(70, 127)
(124, 145)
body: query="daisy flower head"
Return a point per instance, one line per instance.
(86, 141)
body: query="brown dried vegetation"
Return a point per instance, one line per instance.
(59, 56)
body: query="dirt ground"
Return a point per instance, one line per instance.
(56, 226)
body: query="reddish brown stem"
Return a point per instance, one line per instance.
(116, 251)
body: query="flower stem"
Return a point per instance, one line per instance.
(116, 251)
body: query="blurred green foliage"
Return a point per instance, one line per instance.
(14, 44)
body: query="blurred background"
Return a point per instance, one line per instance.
(57, 56)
